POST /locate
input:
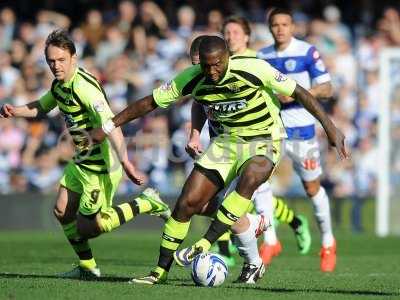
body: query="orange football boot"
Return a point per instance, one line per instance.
(328, 258)
(267, 252)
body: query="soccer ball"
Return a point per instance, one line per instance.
(209, 269)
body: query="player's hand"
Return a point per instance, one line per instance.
(97, 135)
(7, 111)
(284, 99)
(193, 147)
(336, 139)
(134, 175)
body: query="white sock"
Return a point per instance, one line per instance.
(323, 216)
(247, 242)
(263, 202)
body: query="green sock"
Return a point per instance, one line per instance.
(233, 207)
(117, 215)
(173, 235)
(80, 246)
(282, 212)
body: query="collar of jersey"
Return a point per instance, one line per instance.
(248, 52)
(282, 52)
(68, 84)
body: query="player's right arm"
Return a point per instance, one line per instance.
(135, 110)
(30, 110)
(162, 96)
(193, 147)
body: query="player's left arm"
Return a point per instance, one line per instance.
(335, 136)
(135, 110)
(286, 86)
(320, 78)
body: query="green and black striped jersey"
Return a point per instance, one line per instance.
(242, 104)
(83, 103)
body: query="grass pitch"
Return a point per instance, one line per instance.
(368, 268)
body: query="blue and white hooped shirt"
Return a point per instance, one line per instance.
(302, 62)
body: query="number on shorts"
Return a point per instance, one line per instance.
(310, 164)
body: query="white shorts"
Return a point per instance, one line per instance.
(305, 155)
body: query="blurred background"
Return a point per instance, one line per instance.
(133, 46)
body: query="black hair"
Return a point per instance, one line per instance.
(212, 43)
(194, 47)
(278, 11)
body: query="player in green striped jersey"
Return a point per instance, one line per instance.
(240, 95)
(84, 202)
(236, 30)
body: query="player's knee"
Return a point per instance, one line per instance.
(311, 188)
(186, 207)
(87, 228)
(249, 184)
(84, 230)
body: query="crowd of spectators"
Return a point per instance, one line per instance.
(134, 47)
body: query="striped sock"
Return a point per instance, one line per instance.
(233, 207)
(117, 215)
(173, 235)
(80, 246)
(281, 211)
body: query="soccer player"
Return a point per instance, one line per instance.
(302, 62)
(84, 202)
(237, 34)
(244, 103)
(249, 226)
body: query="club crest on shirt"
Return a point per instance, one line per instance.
(279, 76)
(166, 86)
(316, 55)
(234, 88)
(290, 65)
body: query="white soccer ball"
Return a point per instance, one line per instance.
(209, 269)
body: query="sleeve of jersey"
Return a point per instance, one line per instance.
(95, 102)
(316, 67)
(277, 81)
(47, 102)
(172, 90)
